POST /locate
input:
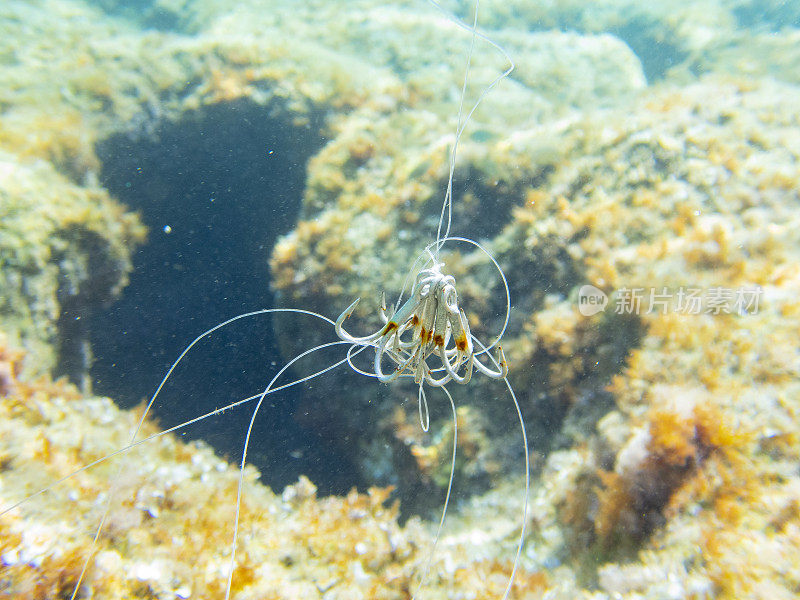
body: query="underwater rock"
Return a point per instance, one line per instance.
(65, 250)
(678, 40)
(117, 80)
(687, 194)
(618, 192)
(672, 193)
(169, 525)
(373, 199)
(666, 439)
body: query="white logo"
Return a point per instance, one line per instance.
(591, 300)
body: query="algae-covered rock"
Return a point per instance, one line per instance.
(670, 196)
(692, 196)
(647, 150)
(65, 249)
(170, 507)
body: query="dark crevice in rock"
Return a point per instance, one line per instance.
(215, 189)
(483, 204)
(89, 275)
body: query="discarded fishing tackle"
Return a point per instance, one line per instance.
(432, 318)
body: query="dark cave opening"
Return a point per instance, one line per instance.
(215, 189)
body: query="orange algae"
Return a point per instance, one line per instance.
(688, 460)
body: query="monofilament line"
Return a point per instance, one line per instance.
(447, 204)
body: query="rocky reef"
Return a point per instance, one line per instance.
(649, 151)
(662, 417)
(169, 526)
(674, 425)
